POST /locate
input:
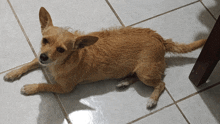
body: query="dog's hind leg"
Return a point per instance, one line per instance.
(127, 81)
(17, 73)
(159, 87)
(150, 74)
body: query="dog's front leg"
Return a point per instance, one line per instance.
(63, 86)
(17, 73)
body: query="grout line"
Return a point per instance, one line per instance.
(165, 13)
(177, 106)
(208, 10)
(150, 113)
(43, 70)
(62, 109)
(22, 28)
(57, 97)
(115, 13)
(11, 69)
(200, 91)
(175, 102)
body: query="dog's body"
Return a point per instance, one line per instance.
(73, 58)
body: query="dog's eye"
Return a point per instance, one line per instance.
(45, 41)
(61, 50)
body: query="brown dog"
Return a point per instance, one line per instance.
(73, 58)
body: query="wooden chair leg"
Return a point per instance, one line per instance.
(208, 57)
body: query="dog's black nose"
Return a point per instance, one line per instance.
(43, 57)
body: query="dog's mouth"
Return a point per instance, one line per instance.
(43, 61)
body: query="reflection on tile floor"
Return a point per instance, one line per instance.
(104, 104)
(101, 102)
(37, 109)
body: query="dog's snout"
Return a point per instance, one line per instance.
(43, 57)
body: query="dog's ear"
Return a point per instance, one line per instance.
(83, 41)
(45, 19)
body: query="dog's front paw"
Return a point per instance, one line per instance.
(29, 89)
(151, 103)
(13, 75)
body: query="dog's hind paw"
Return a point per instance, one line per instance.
(123, 85)
(151, 103)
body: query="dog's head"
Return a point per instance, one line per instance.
(57, 43)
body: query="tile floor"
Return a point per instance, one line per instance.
(100, 103)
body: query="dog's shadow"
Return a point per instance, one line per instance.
(73, 101)
(49, 110)
(179, 61)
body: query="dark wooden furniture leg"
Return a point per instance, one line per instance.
(208, 57)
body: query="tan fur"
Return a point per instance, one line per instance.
(107, 54)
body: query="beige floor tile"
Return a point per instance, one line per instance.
(133, 11)
(203, 108)
(14, 49)
(16, 108)
(170, 115)
(213, 6)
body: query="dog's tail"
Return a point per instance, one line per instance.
(173, 47)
